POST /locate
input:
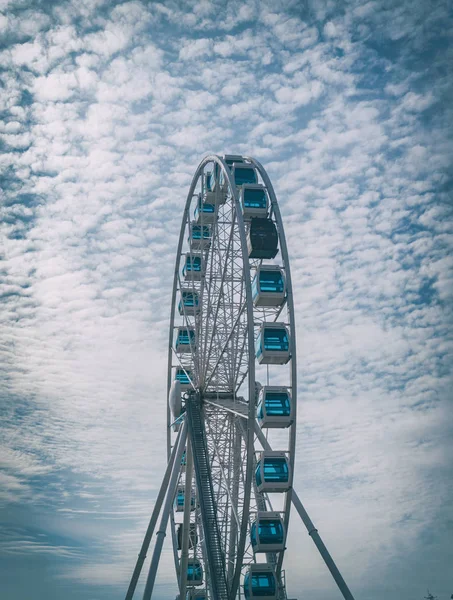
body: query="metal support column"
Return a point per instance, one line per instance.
(234, 501)
(186, 521)
(165, 514)
(312, 531)
(152, 524)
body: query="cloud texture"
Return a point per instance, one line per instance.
(106, 110)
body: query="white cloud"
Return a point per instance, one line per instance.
(417, 102)
(195, 49)
(26, 54)
(330, 30)
(3, 23)
(55, 86)
(111, 110)
(365, 10)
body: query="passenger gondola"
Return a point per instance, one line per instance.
(199, 236)
(268, 286)
(274, 408)
(254, 201)
(184, 376)
(260, 582)
(267, 533)
(272, 344)
(204, 212)
(194, 572)
(272, 472)
(185, 339)
(262, 238)
(192, 269)
(189, 303)
(216, 191)
(243, 174)
(180, 500)
(230, 159)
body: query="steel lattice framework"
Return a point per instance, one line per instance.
(213, 436)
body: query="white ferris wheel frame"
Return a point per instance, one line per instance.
(218, 399)
(251, 359)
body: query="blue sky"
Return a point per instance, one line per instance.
(106, 109)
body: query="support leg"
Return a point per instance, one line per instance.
(152, 524)
(165, 514)
(312, 531)
(186, 525)
(234, 501)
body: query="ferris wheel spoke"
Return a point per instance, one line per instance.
(220, 296)
(225, 344)
(241, 375)
(228, 491)
(214, 254)
(236, 339)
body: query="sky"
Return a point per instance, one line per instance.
(106, 109)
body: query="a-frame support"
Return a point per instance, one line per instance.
(168, 488)
(312, 531)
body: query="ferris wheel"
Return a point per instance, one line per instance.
(231, 416)
(232, 319)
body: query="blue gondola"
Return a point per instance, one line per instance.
(233, 158)
(254, 201)
(186, 340)
(199, 236)
(272, 472)
(192, 268)
(230, 159)
(184, 376)
(260, 582)
(262, 238)
(189, 303)
(272, 344)
(194, 572)
(274, 407)
(267, 533)
(211, 178)
(193, 536)
(268, 286)
(243, 173)
(204, 212)
(179, 500)
(215, 192)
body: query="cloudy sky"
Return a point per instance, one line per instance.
(106, 109)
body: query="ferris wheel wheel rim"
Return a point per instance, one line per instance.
(275, 211)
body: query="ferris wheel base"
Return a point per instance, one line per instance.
(167, 492)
